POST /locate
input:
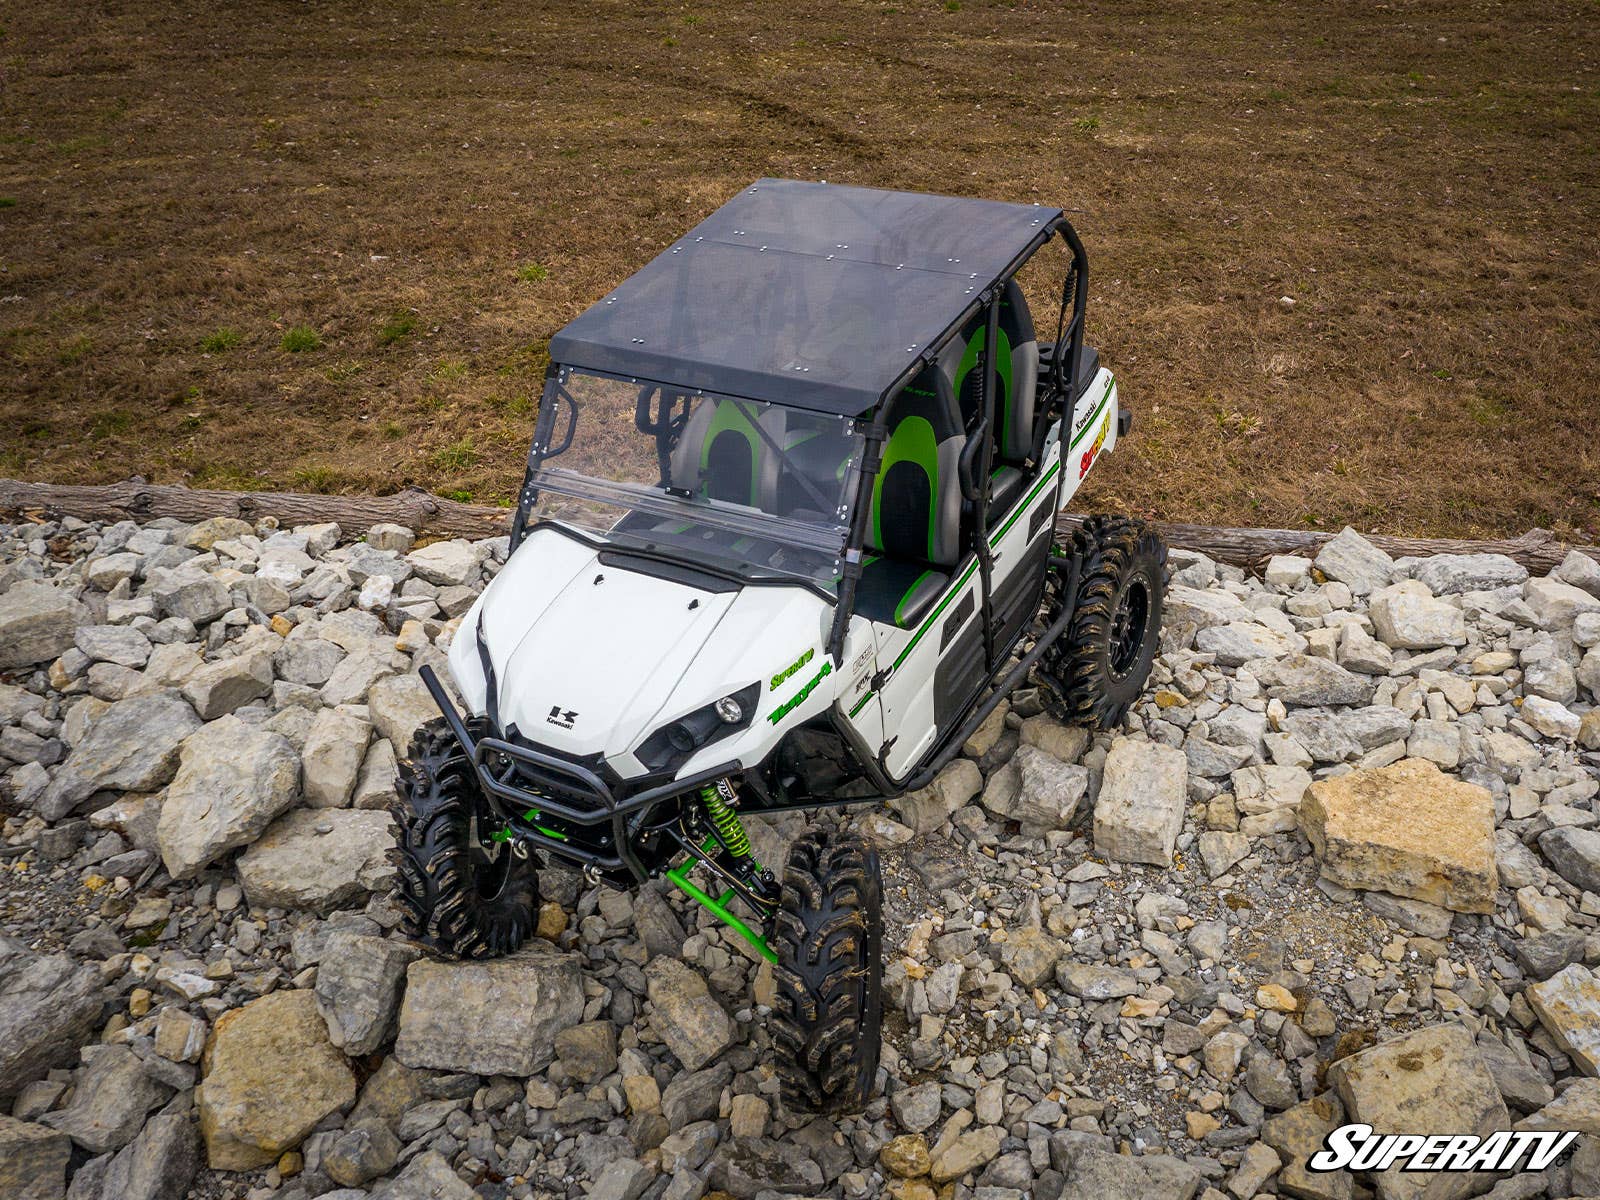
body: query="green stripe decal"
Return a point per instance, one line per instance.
(862, 703)
(1094, 416)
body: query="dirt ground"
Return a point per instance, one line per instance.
(1343, 255)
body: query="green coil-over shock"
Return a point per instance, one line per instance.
(726, 852)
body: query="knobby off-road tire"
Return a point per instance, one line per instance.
(1099, 666)
(828, 980)
(456, 898)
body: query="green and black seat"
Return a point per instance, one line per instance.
(1017, 364)
(721, 456)
(914, 534)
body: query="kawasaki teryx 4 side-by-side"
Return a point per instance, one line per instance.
(785, 539)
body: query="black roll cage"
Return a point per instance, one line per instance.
(1067, 355)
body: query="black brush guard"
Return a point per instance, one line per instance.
(579, 796)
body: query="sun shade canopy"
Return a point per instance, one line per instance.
(808, 295)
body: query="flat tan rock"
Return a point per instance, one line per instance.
(270, 1074)
(1568, 1006)
(1407, 829)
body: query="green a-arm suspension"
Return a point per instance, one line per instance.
(726, 850)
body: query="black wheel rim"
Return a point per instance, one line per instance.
(1128, 624)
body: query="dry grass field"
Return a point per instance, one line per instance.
(323, 245)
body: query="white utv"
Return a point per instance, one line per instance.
(785, 539)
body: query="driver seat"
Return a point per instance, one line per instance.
(720, 455)
(914, 530)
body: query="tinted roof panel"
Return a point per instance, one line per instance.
(806, 294)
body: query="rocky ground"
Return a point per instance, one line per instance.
(1342, 864)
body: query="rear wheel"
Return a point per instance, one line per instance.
(828, 980)
(1099, 666)
(457, 896)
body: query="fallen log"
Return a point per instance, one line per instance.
(137, 500)
(1539, 550)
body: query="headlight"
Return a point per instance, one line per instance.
(669, 747)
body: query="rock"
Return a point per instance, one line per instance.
(1577, 1108)
(1219, 850)
(331, 759)
(233, 780)
(1287, 571)
(1360, 651)
(1095, 1174)
(180, 1036)
(1203, 607)
(1240, 642)
(917, 1108)
(1450, 574)
(1589, 727)
(1092, 981)
(621, 1179)
(1552, 678)
(1311, 681)
(1352, 560)
(684, 1014)
(132, 746)
(1269, 786)
(220, 687)
(399, 705)
(361, 1153)
(1298, 1134)
(159, 1164)
(1406, 829)
(1066, 743)
(1520, 1084)
(120, 644)
(318, 858)
(110, 1101)
(761, 1165)
(445, 564)
(388, 536)
(428, 1176)
(1139, 813)
(270, 1074)
(906, 1156)
(1433, 1078)
(1568, 1006)
(955, 1159)
(1259, 1164)
(190, 593)
(1425, 920)
(49, 1006)
(1037, 790)
(588, 1051)
(1574, 854)
(36, 623)
(927, 809)
(33, 1161)
(1267, 1079)
(496, 1017)
(1437, 741)
(358, 989)
(209, 532)
(1556, 605)
(1549, 718)
(1030, 955)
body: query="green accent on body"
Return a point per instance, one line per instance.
(729, 416)
(532, 815)
(777, 680)
(914, 583)
(913, 441)
(799, 698)
(862, 703)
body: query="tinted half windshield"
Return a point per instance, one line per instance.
(756, 488)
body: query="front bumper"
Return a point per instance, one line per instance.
(516, 779)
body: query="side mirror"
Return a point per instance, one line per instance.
(970, 463)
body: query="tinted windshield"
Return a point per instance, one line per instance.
(758, 488)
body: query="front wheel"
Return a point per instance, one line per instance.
(828, 979)
(457, 896)
(1098, 667)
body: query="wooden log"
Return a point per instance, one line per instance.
(136, 500)
(1539, 550)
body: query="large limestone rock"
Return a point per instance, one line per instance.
(1556, 605)
(1407, 829)
(1575, 855)
(491, 1018)
(1298, 1134)
(110, 1101)
(1238, 642)
(1407, 617)
(330, 761)
(358, 989)
(270, 1074)
(1568, 1006)
(399, 704)
(1449, 574)
(1037, 790)
(190, 593)
(1427, 1081)
(1093, 1173)
(1308, 680)
(49, 1006)
(927, 809)
(1139, 813)
(33, 1161)
(132, 746)
(232, 780)
(1354, 561)
(36, 623)
(318, 858)
(684, 1014)
(446, 564)
(220, 687)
